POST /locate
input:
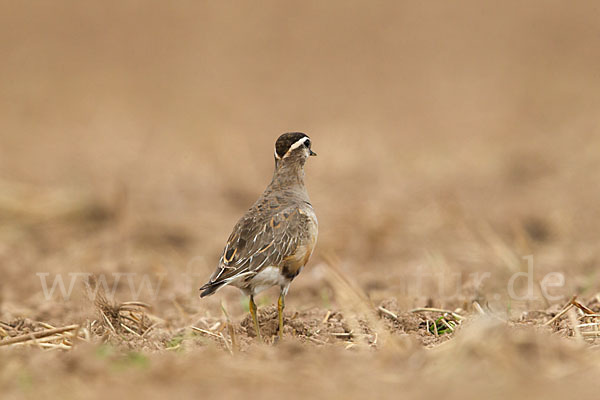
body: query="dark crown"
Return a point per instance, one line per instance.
(285, 141)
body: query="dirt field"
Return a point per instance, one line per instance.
(456, 188)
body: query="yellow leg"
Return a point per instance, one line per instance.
(252, 307)
(280, 307)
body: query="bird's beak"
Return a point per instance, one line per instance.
(312, 153)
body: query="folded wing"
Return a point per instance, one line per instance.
(254, 245)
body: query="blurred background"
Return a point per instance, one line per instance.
(456, 137)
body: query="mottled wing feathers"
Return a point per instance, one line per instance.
(258, 243)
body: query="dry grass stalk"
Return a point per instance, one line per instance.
(343, 334)
(59, 346)
(449, 320)
(314, 340)
(234, 346)
(478, 308)
(387, 312)
(590, 326)
(560, 314)
(567, 307)
(573, 320)
(128, 329)
(227, 345)
(109, 324)
(126, 317)
(356, 303)
(583, 321)
(581, 306)
(593, 335)
(206, 332)
(447, 325)
(595, 324)
(147, 331)
(133, 306)
(45, 325)
(440, 310)
(230, 348)
(37, 335)
(435, 329)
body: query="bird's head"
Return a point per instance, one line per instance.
(293, 148)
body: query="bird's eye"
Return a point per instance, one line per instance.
(307, 143)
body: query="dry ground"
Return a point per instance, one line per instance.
(457, 142)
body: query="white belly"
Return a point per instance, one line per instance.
(268, 277)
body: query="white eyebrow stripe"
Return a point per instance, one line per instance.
(297, 144)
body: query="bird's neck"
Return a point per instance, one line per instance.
(288, 175)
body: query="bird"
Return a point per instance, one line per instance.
(275, 238)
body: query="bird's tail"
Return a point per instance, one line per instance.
(210, 288)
